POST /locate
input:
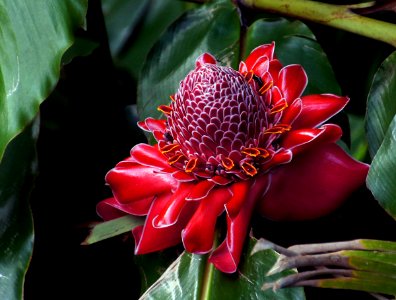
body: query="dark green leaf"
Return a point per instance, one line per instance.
(295, 44)
(381, 179)
(381, 104)
(212, 28)
(121, 16)
(157, 16)
(34, 36)
(359, 146)
(112, 228)
(191, 277)
(17, 171)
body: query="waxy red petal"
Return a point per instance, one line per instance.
(150, 156)
(151, 124)
(291, 113)
(313, 184)
(173, 207)
(302, 139)
(132, 182)
(239, 191)
(205, 58)
(316, 109)
(149, 238)
(292, 81)
(201, 190)
(263, 50)
(110, 208)
(226, 257)
(199, 233)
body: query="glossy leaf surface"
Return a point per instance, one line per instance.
(34, 36)
(17, 171)
(381, 133)
(381, 104)
(190, 277)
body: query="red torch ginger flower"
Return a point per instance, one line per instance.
(232, 142)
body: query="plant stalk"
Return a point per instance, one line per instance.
(337, 16)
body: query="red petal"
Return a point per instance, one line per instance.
(150, 156)
(182, 176)
(151, 124)
(132, 182)
(239, 192)
(201, 190)
(205, 58)
(282, 156)
(106, 210)
(110, 208)
(263, 50)
(149, 238)
(292, 112)
(173, 207)
(317, 109)
(292, 82)
(198, 235)
(302, 139)
(220, 180)
(226, 256)
(313, 184)
(261, 66)
(242, 68)
(274, 68)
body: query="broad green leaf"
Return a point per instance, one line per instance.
(192, 277)
(121, 17)
(33, 37)
(112, 228)
(381, 179)
(144, 22)
(182, 280)
(212, 28)
(381, 104)
(295, 44)
(17, 171)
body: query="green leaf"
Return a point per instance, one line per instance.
(192, 277)
(381, 104)
(212, 28)
(144, 21)
(34, 35)
(359, 145)
(112, 228)
(17, 171)
(295, 44)
(381, 179)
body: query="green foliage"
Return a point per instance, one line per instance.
(192, 277)
(17, 171)
(381, 133)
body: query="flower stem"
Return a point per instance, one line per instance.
(338, 16)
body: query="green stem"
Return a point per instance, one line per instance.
(338, 16)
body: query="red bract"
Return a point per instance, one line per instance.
(233, 141)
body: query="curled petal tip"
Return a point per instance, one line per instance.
(205, 58)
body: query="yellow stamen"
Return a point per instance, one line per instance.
(251, 152)
(266, 86)
(280, 106)
(191, 164)
(227, 163)
(172, 97)
(175, 158)
(263, 152)
(249, 169)
(169, 148)
(278, 129)
(165, 109)
(249, 76)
